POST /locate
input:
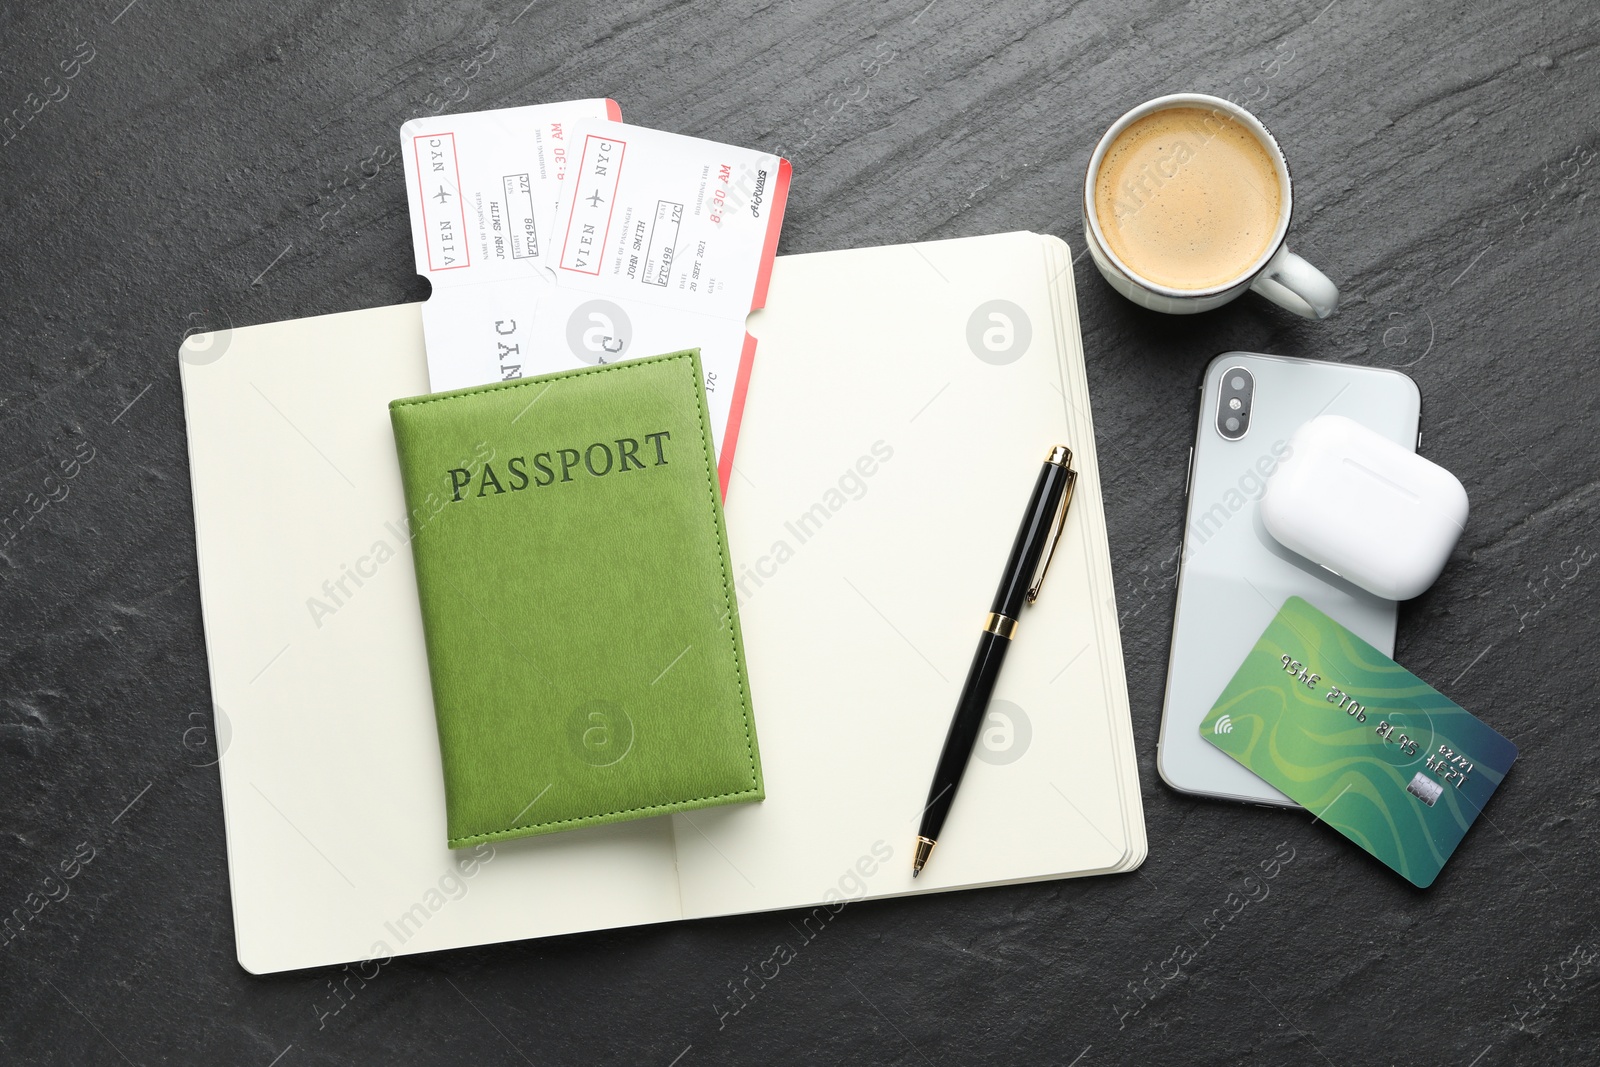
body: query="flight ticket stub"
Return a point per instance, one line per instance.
(483, 187)
(556, 236)
(665, 242)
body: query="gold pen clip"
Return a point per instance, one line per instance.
(1061, 456)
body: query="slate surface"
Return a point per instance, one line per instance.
(208, 165)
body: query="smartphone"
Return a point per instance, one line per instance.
(1232, 575)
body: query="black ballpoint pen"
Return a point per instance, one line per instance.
(1030, 556)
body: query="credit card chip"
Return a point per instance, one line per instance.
(1425, 789)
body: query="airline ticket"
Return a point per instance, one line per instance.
(556, 236)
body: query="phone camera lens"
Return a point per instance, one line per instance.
(1235, 402)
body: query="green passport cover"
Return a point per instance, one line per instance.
(582, 632)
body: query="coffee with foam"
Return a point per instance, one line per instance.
(1188, 198)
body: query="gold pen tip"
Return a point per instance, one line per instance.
(920, 858)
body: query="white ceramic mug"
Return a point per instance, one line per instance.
(1277, 274)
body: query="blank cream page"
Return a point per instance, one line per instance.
(331, 785)
(901, 406)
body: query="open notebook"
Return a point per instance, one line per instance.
(897, 416)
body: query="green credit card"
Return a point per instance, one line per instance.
(1374, 751)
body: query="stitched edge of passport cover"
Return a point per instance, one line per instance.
(755, 790)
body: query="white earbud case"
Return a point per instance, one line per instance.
(1363, 507)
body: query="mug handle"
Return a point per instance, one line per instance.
(1291, 282)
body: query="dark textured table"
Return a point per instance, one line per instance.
(171, 166)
